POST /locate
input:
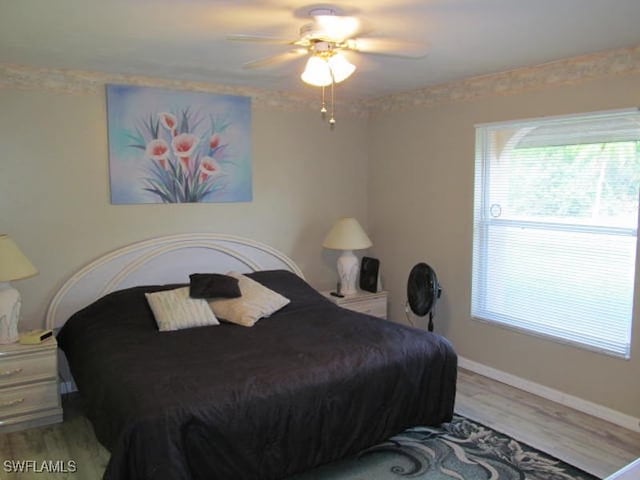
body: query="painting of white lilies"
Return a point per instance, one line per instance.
(172, 146)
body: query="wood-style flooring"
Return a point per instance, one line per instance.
(586, 442)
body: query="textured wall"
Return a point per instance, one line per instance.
(406, 172)
(54, 188)
(421, 163)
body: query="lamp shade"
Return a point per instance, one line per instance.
(13, 264)
(340, 67)
(347, 234)
(317, 72)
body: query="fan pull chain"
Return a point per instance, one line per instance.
(323, 110)
(332, 119)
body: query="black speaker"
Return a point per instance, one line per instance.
(369, 274)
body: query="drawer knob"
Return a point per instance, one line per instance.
(10, 373)
(11, 403)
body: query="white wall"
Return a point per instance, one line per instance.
(406, 175)
(421, 164)
(54, 189)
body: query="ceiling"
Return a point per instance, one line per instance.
(186, 39)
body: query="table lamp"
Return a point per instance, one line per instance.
(347, 235)
(13, 266)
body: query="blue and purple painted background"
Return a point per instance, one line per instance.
(172, 146)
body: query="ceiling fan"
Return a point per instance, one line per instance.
(323, 41)
(328, 33)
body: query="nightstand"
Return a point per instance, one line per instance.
(29, 391)
(365, 302)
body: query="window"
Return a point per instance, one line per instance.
(555, 227)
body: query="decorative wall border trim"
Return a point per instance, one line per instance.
(80, 82)
(569, 71)
(584, 406)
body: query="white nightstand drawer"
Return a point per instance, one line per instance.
(18, 400)
(29, 393)
(377, 308)
(27, 368)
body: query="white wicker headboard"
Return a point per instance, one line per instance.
(160, 261)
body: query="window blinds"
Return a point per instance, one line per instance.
(555, 227)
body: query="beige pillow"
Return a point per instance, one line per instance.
(175, 310)
(256, 302)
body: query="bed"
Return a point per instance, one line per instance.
(310, 384)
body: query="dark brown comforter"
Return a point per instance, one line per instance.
(311, 384)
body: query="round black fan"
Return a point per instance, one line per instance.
(423, 291)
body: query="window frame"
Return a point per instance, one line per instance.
(483, 221)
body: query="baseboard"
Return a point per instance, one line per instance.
(584, 406)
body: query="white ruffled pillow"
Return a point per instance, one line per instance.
(256, 302)
(175, 310)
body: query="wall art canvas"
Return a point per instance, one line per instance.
(172, 146)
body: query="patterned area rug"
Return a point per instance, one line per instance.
(460, 450)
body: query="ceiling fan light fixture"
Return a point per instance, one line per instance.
(326, 39)
(336, 27)
(317, 72)
(341, 68)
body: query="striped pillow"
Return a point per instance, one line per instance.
(175, 310)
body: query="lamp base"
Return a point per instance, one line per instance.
(348, 272)
(10, 304)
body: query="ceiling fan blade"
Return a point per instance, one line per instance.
(276, 59)
(388, 47)
(259, 38)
